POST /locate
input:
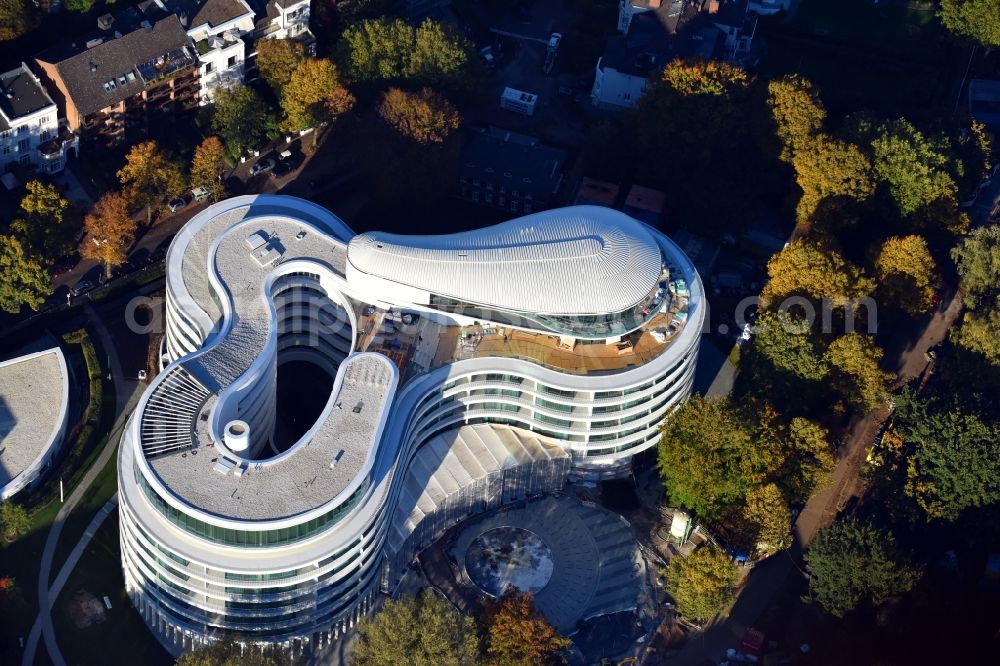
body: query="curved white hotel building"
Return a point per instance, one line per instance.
(467, 371)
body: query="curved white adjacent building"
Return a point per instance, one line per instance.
(468, 370)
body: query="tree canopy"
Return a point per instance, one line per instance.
(423, 631)
(15, 19)
(786, 340)
(978, 260)
(955, 459)
(977, 20)
(701, 456)
(48, 224)
(519, 635)
(702, 584)
(314, 94)
(857, 374)
(14, 521)
(207, 165)
(797, 111)
(277, 59)
(23, 280)
(917, 169)
(906, 273)
(241, 118)
(391, 50)
(852, 563)
(424, 116)
(808, 269)
(150, 177)
(829, 169)
(110, 232)
(767, 510)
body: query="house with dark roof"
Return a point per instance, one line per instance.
(653, 32)
(512, 171)
(111, 86)
(29, 124)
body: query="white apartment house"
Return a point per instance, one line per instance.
(224, 33)
(29, 124)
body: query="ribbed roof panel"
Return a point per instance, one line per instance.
(572, 261)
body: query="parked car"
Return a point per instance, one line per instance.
(262, 166)
(287, 162)
(201, 193)
(81, 287)
(176, 204)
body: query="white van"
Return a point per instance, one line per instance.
(201, 193)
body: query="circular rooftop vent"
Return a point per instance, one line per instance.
(237, 436)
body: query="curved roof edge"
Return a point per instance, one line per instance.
(579, 260)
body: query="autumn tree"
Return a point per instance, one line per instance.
(519, 635)
(767, 511)
(15, 19)
(110, 231)
(854, 359)
(424, 116)
(906, 273)
(976, 20)
(150, 177)
(828, 169)
(207, 165)
(48, 223)
(978, 332)
(313, 95)
(14, 521)
(852, 563)
(703, 583)
(797, 111)
(23, 281)
(277, 59)
(241, 118)
(808, 269)
(422, 631)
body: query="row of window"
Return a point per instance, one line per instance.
(249, 538)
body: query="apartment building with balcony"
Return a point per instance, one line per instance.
(30, 134)
(134, 72)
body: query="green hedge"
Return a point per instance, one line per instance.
(95, 403)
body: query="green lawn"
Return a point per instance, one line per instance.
(100, 491)
(888, 58)
(122, 637)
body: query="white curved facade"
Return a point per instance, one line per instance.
(580, 325)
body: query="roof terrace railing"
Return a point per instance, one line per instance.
(170, 413)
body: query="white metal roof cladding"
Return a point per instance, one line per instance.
(571, 261)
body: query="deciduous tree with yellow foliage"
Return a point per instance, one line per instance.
(519, 635)
(110, 231)
(314, 94)
(424, 116)
(207, 165)
(806, 268)
(906, 273)
(150, 177)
